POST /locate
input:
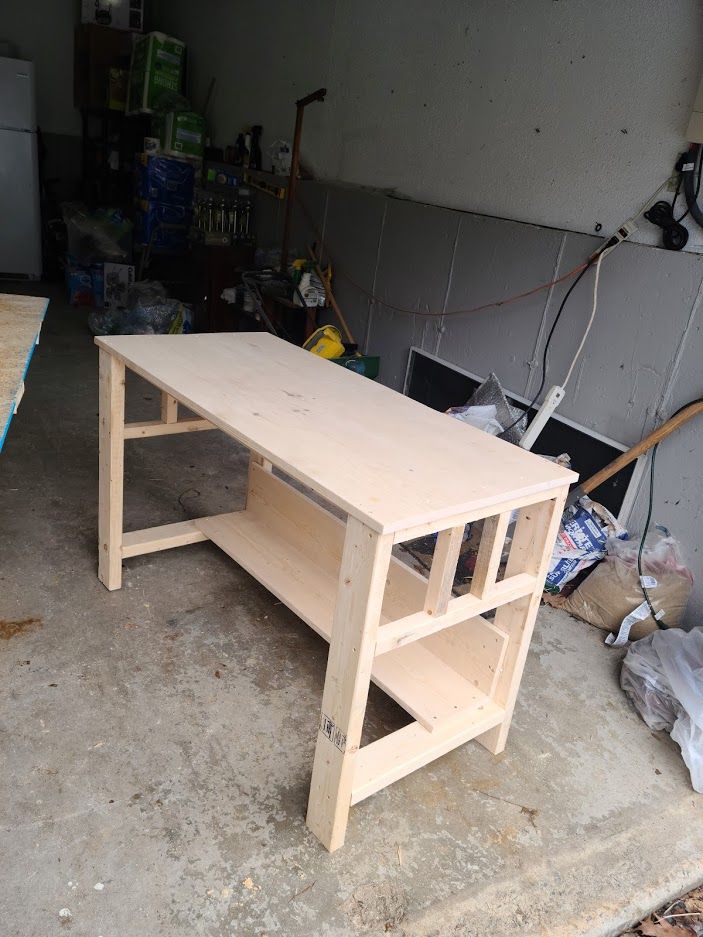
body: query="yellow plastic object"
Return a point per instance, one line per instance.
(325, 342)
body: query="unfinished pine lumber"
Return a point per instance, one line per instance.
(393, 469)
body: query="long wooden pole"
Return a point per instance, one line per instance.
(300, 105)
(330, 296)
(656, 436)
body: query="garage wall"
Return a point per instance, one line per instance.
(263, 56)
(42, 31)
(566, 113)
(442, 103)
(641, 361)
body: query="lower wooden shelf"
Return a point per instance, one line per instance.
(293, 547)
(415, 677)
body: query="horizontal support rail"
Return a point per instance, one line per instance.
(159, 428)
(392, 757)
(468, 517)
(164, 537)
(421, 624)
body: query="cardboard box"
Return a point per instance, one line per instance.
(183, 134)
(119, 14)
(221, 176)
(163, 227)
(97, 278)
(117, 280)
(97, 50)
(165, 179)
(79, 284)
(156, 68)
(117, 79)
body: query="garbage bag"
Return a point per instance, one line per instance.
(612, 592)
(154, 318)
(482, 417)
(663, 676)
(492, 392)
(146, 292)
(100, 235)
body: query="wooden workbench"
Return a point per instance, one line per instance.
(21, 319)
(397, 470)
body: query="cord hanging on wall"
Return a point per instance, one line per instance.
(691, 178)
(674, 234)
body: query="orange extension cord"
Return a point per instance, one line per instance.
(415, 312)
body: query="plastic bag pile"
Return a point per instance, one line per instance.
(663, 676)
(149, 311)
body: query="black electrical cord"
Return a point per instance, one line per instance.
(698, 184)
(660, 623)
(661, 214)
(547, 344)
(674, 234)
(676, 195)
(687, 168)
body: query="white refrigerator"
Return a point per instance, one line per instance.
(20, 221)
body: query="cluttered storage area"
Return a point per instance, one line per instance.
(350, 427)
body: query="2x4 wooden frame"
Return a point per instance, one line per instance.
(455, 672)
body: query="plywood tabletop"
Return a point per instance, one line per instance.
(384, 458)
(20, 322)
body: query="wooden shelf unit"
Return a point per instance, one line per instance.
(293, 547)
(456, 673)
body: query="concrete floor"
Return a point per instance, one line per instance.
(159, 739)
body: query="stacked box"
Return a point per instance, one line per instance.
(165, 180)
(117, 79)
(156, 69)
(164, 203)
(84, 283)
(182, 133)
(120, 14)
(79, 284)
(163, 227)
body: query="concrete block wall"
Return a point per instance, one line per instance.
(641, 361)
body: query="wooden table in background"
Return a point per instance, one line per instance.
(397, 470)
(21, 320)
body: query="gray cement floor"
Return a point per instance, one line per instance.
(157, 741)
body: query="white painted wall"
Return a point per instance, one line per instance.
(263, 56)
(511, 108)
(42, 30)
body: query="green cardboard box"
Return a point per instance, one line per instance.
(182, 133)
(157, 67)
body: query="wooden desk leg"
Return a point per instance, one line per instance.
(362, 582)
(111, 393)
(535, 534)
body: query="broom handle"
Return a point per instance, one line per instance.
(330, 296)
(656, 436)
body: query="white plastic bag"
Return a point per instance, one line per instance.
(663, 676)
(483, 417)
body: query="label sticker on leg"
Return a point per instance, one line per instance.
(334, 734)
